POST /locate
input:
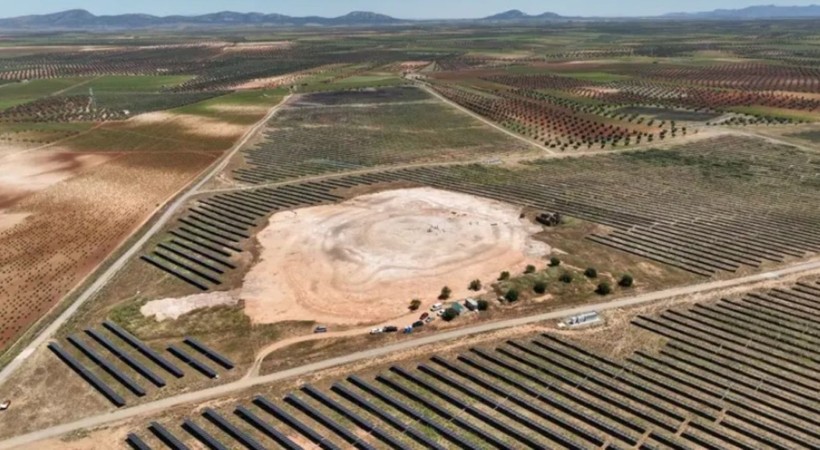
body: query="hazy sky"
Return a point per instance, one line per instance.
(399, 8)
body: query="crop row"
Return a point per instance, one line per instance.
(663, 92)
(75, 108)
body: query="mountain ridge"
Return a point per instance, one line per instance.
(80, 19)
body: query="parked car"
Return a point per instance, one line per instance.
(418, 324)
(5, 405)
(429, 319)
(424, 316)
(391, 329)
(436, 307)
(377, 331)
(320, 329)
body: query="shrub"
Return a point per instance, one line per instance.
(504, 276)
(449, 314)
(475, 285)
(591, 273)
(415, 304)
(603, 289)
(555, 262)
(626, 281)
(511, 296)
(565, 277)
(445, 293)
(483, 305)
(540, 287)
(530, 269)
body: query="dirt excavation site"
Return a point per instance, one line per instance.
(364, 260)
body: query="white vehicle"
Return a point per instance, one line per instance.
(377, 331)
(436, 307)
(5, 405)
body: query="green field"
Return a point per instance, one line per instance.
(13, 94)
(131, 84)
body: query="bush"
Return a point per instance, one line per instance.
(540, 287)
(483, 305)
(603, 289)
(504, 276)
(626, 281)
(415, 304)
(475, 285)
(445, 293)
(530, 269)
(565, 277)
(449, 314)
(555, 262)
(591, 273)
(511, 296)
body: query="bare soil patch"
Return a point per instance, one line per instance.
(192, 124)
(173, 308)
(363, 260)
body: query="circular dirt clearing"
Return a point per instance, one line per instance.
(363, 260)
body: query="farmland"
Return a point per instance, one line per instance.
(213, 210)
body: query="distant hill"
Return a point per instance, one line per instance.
(516, 15)
(754, 13)
(81, 19)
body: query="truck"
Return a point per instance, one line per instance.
(581, 320)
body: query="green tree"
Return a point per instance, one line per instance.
(449, 314)
(483, 305)
(415, 304)
(530, 269)
(626, 281)
(475, 285)
(445, 293)
(540, 287)
(511, 295)
(504, 276)
(565, 277)
(591, 272)
(603, 288)
(555, 262)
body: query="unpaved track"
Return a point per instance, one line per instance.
(126, 256)
(245, 383)
(483, 119)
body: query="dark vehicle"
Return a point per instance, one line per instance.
(424, 316)
(418, 324)
(320, 329)
(390, 329)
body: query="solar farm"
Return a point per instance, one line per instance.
(592, 235)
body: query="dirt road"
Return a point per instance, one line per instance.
(132, 251)
(483, 119)
(248, 382)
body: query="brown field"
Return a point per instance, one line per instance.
(73, 225)
(65, 207)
